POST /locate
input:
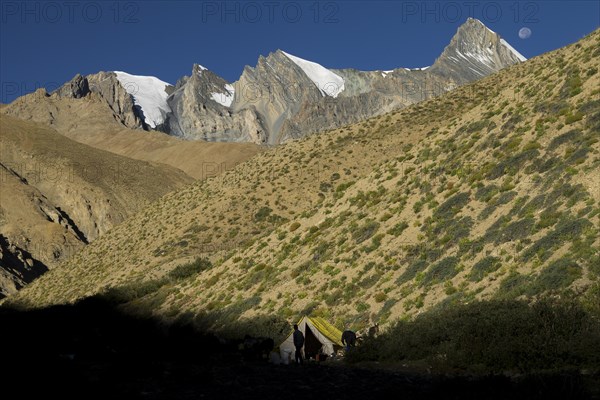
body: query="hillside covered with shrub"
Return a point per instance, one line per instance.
(490, 192)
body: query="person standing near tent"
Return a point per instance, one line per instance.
(298, 343)
(348, 339)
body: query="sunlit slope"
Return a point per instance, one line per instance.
(491, 190)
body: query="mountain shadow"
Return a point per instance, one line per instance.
(92, 349)
(19, 263)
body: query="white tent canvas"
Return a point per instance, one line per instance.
(318, 336)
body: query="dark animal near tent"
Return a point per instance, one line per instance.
(374, 330)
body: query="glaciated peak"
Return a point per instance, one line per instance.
(475, 51)
(473, 22)
(329, 83)
(149, 93)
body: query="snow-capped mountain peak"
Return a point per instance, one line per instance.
(149, 93)
(475, 51)
(504, 42)
(276, 100)
(329, 83)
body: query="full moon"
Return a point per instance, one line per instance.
(524, 33)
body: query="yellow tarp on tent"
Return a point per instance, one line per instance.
(332, 333)
(328, 336)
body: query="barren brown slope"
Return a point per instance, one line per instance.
(489, 191)
(90, 121)
(58, 194)
(198, 159)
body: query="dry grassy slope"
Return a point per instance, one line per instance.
(57, 193)
(89, 121)
(198, 159)
(491, 190)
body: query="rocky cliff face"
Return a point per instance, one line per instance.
(367, 94)
(110, 90)
(19, 267)
(275, 90)
(34, 233)
(201, 109)
(76, 88)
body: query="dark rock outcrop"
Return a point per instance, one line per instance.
(76, 88)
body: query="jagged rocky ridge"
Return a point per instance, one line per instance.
(284, 97)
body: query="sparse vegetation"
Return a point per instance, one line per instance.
(460, 198)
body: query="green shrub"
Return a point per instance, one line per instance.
(451, 206)
(375, 243)
(132, 291)
(187, 270)
(548, 218)
(361, 306)
(475, 126)
(380, 297)
(411, 271)
(454, 228)
(516, 230)
(589, 106)
(511, 165)
(567, 137)
(504, 198)
(325, 187)
(570, 118)
(397, 229)
(532, 146)
(442, 270)
(578, 156)
(592, 121)
(263, 214)
(486, 193)
(322, 251)
(572, 85)
(558, 275)
(364, 232)
(513, 286)
(341, 189)
(484, 267)
(370, 280)
(567, 229)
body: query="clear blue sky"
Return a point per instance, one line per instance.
(46, 43)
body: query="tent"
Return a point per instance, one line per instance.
(319, 336)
